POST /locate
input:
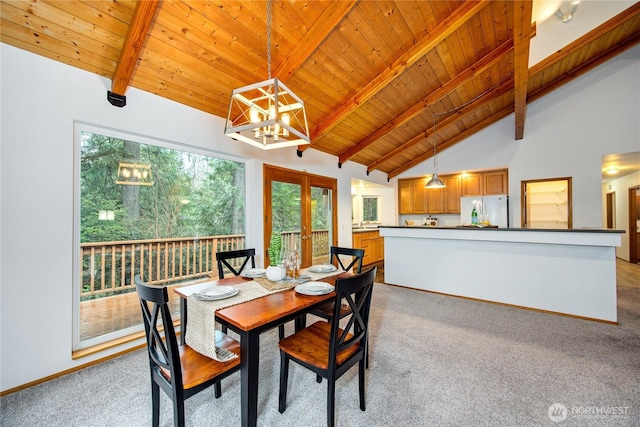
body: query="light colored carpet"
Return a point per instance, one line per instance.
(435, 360)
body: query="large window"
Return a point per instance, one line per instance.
(146, 207)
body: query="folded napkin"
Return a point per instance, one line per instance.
(201, 320)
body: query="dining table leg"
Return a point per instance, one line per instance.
(249, 364)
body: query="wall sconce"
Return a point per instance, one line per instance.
(134, 174)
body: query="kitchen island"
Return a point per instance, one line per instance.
(571, 272)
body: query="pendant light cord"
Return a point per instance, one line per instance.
(453, 110)
(269, 5)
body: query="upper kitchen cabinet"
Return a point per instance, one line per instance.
(414, 198)
(487, 183)
(451, 194)
(420, 196)
(405, 196)
(471, 184)
(496, 182)
(435, 199)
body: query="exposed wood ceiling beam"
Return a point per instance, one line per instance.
(329, 20)
(439, 33)
(583, 68)
(413, 111)
(521, 41)
(138, 30)
(504, 88)
(590, 37)
(461, 136)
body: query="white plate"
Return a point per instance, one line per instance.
(217, 293)
(253, 272)
(324, 268)
(314, 288)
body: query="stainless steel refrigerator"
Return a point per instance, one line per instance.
(494, 209)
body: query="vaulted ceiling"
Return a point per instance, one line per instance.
(373, 74)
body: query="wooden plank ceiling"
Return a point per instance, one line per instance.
(373, 74)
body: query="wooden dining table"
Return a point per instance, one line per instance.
(250, 319)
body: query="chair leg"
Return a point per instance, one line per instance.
(218, 389)
(361, 378)
(284, 378)
(318, 378)
(178, 412)
(155, 404)
(223, 329)
(331, 402)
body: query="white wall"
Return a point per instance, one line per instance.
(41, 99)
(566, 134)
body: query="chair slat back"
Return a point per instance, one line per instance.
(163, 353)
(356, 291)
(223, 260)
(356, 258)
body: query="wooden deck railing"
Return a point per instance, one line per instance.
(108, 268)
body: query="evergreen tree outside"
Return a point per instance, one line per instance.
(192, 195)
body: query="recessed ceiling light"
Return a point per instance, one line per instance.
(612, 171)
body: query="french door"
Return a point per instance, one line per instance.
(301, 209)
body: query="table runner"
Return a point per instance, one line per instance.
(202, 319)
(202, 314)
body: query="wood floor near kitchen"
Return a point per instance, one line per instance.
(102, 314)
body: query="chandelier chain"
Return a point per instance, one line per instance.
(269, 38)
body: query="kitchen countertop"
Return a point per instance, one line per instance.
(471, 227)
(363, 229)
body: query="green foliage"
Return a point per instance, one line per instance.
(192, 195)
(275, 247)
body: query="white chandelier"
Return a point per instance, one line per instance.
(267, 114)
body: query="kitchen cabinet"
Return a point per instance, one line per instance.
(495, 182)
(471, 184)
(405, 196)
(451, 194)
(420, 196)
(372, 244)
(414, 198)
(435, 200)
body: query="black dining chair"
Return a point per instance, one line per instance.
(178, 370)
(353, 261)
(330, 350)
(223, 259)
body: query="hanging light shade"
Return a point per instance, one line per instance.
(434, 182)
(267, 114)
(134, 174)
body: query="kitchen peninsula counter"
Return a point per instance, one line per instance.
(569, 271)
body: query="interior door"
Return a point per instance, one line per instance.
(300, 208)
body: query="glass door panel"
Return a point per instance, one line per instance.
(321, 224)
(286, 217)
(299, 213)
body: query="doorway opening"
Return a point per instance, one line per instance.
(546, 203)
